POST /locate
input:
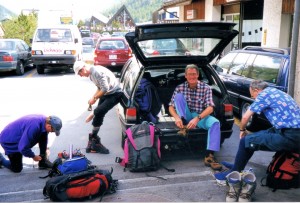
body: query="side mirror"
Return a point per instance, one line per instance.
(217, 68)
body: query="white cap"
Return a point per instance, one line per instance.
(78, 65)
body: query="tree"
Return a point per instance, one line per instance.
(21, 27)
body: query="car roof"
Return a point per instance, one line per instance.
(222, 31)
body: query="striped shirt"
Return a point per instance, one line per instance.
(197, 99)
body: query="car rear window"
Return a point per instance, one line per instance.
(111, 45)
(178, 47)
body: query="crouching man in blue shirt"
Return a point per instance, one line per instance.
(18, 137)
(283, 113)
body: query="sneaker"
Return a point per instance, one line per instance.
(210, 161)
(233, 181)
(227, 164)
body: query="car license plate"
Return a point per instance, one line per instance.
(112, 56)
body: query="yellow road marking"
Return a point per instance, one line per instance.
(31, 74)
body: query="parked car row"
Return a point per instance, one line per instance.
(239, 68)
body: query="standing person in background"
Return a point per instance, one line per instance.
(108, 93)
(283, 113)
(18, 137)
(191, 106)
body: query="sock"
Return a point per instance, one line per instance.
(95, 131)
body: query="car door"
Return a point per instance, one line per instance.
(27, 54)
(234, 77)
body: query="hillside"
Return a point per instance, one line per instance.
(140, 10)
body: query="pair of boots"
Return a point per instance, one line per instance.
(95, 146)
(241, 186)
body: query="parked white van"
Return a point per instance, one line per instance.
(56, 46)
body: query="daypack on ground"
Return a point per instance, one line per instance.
(66, 164)
(283, 172)
(148, 100)
(80, 186)
(141, 148)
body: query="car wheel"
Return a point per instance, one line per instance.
(244, 107)
(40, 69)
(20, 68)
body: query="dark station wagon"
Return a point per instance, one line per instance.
(202, 42)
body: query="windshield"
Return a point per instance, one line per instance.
(53, 35)
(177, 47)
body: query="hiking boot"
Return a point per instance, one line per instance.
(95, 145)
(233, 181)
(45, 163)
(248, 186)
(183, 131)
(100, 148)
(221, 176)
(210, 161)
(89, 145)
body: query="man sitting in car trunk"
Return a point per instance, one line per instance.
(191, 106)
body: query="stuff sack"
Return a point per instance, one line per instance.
(66, 164)
(80, 186)
(148, 100)
(141, 148)
(283, 171)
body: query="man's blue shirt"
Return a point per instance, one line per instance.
(279, 108)
(22, 134)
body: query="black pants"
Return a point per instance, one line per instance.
(106, 103)
(16, 159)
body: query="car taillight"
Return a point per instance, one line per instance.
(131, 114)
(228, 108)
(8, 58)
(155, 52)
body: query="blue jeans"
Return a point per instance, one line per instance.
(266, 140)
(209, 123)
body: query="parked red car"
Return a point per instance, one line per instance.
(112, 53)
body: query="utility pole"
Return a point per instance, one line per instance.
(294, 92)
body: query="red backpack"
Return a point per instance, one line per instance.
(284, 171)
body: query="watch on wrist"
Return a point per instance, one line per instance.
(199, 117)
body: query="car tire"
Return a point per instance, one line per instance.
(40, 69)
(20, 68)
(244, 107)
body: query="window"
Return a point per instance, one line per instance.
(238, 64)
(130, 78)
(265, 68)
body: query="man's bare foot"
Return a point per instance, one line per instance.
(89, 118)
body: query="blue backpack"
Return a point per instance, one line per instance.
(148, 100)
(64, 164)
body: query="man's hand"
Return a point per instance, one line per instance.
(178, 123)
(243, 134)
(193, 123)
(37, 158)
(92, 101)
